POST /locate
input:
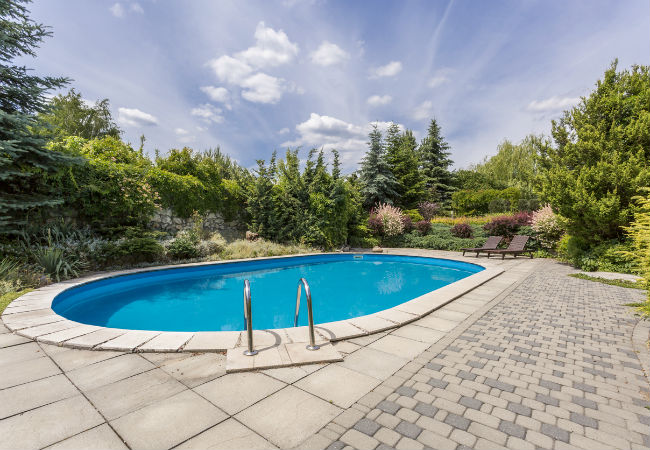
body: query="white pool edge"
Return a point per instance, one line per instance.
(31, 316)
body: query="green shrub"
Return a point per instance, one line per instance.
(56, 264)
(212, 246)
(477, 202)
(137, 246)
(413, 214)
(441, 238)
(184, 246)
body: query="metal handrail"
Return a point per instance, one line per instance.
(248, 319)
(310, 313)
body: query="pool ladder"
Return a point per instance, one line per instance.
(248, 318)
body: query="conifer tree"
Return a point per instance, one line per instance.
(434, 157)
(404, 163)
(24, 161)
(378, 184)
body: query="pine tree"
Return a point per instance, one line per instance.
(404, 163)
(24, 161)
(378, 184)
(434, 156)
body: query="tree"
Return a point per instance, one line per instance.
(378, 184)
(434, 157)
(70, 115)
(601, 157)
(514, 165)
(403, 161)
(25, 163)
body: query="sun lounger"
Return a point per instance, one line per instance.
(491, 244)
(516, 247)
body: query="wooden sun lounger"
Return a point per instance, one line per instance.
(491, 244)
(516, 247)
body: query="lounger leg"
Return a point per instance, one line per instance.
(503, 255)
(463, 252)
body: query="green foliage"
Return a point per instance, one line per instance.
(183, 194)
(601, 156)
(69, 115)
(241, 249)
(620, 283)
(137, 246)
(376, 181)
(435, 161)
(441, 238)
(514, 165)
(474, 203)
(404, 161)
(25, 163)
(184, 246)
(609, 256)
(9, 297)
(56, 264)
(639, 253)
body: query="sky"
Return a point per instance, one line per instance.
(256, 76)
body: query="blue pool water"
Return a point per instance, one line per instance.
(210, 297)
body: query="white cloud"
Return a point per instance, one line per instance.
(208, 113)
(423, 110)
(136, 7)
(262, 88)
(329, 54)
(132, 117)
(389, 70)
(117, 10)
(332, 133)
(181, 131)
(218, 94)
(230, 69)
(378, 100)
(438, 80)
(284, 130)
(272, 48)
(552, 104)
(184, 136)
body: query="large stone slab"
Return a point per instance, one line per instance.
(129, 341)
(48, 424)
(98, 438)
(32, 395)
(212, 341)
(166, 342)
(234, 392)
(374, 363)
(399, 346)
(109, 371)
(26, 371)
(289, 416)
(70, 359)
(338, 385)
(17, 353)
(228, 435)
(168, 422)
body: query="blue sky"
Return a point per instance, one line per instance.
(256, 76)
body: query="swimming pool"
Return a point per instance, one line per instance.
(209, 297)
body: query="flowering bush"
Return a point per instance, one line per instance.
(390, 218)
(462, 230)
(508, 226)
(548, 226)
(429, 210)
(423, 226)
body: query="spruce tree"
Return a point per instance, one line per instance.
(404, 163)
(25, 163)
(378, 184)
(434, 157)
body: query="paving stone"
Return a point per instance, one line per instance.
(389, 407)
(426, 409)
(408, 429)
(457, 421)
(512, 429)
(98, 438)
(471, 402)
(584, 420)
(555, 432)
(31, 395)
(326, 384)
(519, 409)
(169, 422)
(108, 371)
(367, 426)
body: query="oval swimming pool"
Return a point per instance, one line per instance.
(210, 297)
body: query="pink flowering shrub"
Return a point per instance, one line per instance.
(429, 210)
(390, 218)
(423, 226)
(462, 230)
(548, 226)
(508, 226)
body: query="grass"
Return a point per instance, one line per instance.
(620, 283)
(10, 297)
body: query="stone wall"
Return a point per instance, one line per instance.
(165, 220)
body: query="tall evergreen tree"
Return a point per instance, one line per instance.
(378, 184)
(24, 160)
(404, 163)
(434, 157)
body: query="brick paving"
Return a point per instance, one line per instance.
(549, 366)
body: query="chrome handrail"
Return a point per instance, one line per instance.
(310, 313)
(248, 319)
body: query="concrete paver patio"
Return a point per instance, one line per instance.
(532, 358)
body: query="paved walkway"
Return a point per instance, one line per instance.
(532, 358)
